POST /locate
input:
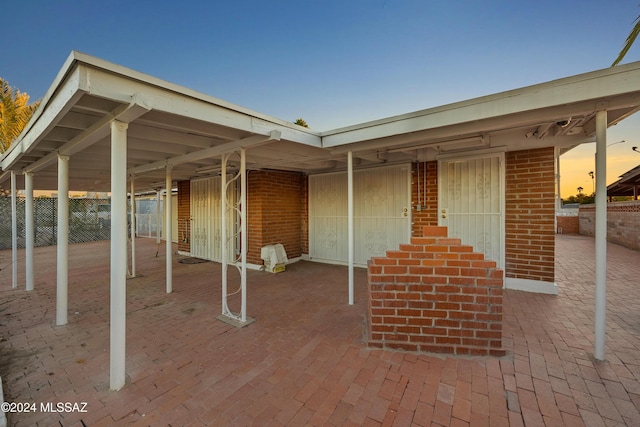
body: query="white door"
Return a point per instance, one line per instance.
(206, 219)
(470, 203)
(200, 218)
(381, 213)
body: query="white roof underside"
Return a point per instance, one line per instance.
(172, 124)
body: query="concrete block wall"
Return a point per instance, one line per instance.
(623, 222)
(435, 295)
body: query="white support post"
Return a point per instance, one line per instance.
(14, 232)
(240, 208)
(133, 227)
(243, 234)
(62, 268)
(158, 217)
(118, 330)
(350, 225)
(601, 235)
(29, 233)
(223, 217)
(168, 232)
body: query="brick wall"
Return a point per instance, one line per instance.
(424, 183)
(184, 216)
(530, 214)
(275, 212)
(568, 224)
(435, 295)
(623, 223)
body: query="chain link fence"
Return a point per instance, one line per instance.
(89, 220)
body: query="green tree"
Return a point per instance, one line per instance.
(631, 38)
(15, 112)
(580, 198)
(301, 122)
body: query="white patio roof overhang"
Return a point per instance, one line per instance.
(172, 125)
(101, 124)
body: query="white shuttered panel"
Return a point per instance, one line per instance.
(381, 213)
(471, 198)
(206, 219)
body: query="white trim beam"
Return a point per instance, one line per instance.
(218, 150)
(93, 134)
(570, 96)
(46, 118)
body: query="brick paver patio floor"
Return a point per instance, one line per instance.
(304, 361)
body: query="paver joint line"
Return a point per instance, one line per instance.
(305, 360)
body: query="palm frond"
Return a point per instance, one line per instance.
(631, 38)
(15, 113)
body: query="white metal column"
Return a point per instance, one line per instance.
(243, 234)
(62, 268)
(158, 218)
(236, 319)
(133, 227)
(168, 231)
(223, 231)
(601, 235)
(350, 223)
(118, 330)
(14, 232)
(29, 233)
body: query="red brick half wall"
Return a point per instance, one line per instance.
(435, 295)
(530, 220)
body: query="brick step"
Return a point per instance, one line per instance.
(435, 294)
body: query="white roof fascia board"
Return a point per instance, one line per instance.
(115, 82)
(251, 141)
(62, 73)
(101, 129)
(587, 87)
(55, 108)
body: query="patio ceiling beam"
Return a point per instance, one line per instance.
(51, 110)
(101, 129)
(218, 150)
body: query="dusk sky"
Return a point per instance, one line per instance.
(335, 63)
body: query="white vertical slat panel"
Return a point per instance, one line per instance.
(206, 227)
(470, 190)
(200, 226)
(381, 211)
(328, 217)
(215, 237)
(216, 219)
